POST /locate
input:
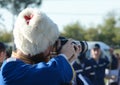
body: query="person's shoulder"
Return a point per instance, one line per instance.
(60, 57)
(9, 63)
(105, 59)
(88, 60)
(11, 59)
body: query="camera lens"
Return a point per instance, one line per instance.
(84, 46)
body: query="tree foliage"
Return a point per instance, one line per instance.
(107, 32)
(15, 6)
(91, 34)
(5, 36)
(74, 31)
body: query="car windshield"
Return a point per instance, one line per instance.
(104, 47)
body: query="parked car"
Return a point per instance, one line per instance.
(104, 47)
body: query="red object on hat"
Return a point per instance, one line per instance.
(27, 18)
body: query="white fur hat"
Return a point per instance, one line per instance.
(34, 32)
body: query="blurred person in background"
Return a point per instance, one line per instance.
(118, 57)
(112, 71)
(96, 65)
(2, 53)
(35, 36)
(79, 67)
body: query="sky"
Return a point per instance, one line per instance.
(64, 12)
(86, 12)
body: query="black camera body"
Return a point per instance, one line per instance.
(82, 44)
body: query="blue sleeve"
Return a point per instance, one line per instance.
(56, 71)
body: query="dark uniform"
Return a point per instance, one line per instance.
(113, 66)
(79, 67)
(114, 63)
(96, 70)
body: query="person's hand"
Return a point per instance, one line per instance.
(70, 49)
(78, 49)
(113, 77)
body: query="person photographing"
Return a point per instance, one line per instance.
(35, 35)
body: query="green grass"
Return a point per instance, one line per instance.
(117, 51)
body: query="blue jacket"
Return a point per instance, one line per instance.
(56, 72)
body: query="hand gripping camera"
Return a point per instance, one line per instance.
(82, 44)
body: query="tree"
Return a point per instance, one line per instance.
(74, 31)
(116, 39)
(91, 34)
(5, 36)
(15, 6)
(108, 30)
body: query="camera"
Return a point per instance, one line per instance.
(82, 44)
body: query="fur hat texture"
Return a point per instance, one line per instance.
(34, 31)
